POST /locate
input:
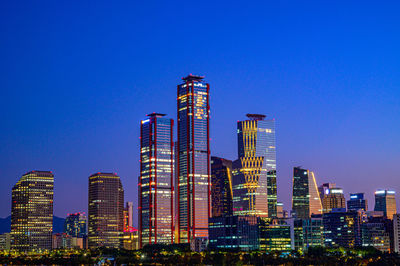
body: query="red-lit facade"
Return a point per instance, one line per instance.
(193, 166)
(156, 190)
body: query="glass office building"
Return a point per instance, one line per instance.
(274, 235)
(194, 169)
(357, 202)
(106, 211)
(221, 187)
(308, 232)
(306, 199)
(385, 201)
(32, 212)
(75, 224)
(156, 202)
(254, 173)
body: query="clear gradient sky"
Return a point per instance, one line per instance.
(77, 77)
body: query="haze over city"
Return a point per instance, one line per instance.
(77, 79)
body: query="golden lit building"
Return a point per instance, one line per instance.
(32, 212)
(385, 201)
(106, 210)
(306, 199)
(333, 199)
(254, 173)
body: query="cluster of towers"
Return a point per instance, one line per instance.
(185, 195)
(181, 186)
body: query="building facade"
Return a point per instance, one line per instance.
(306, 199)
(385, 201)
(396, 233)
(193, 159)
(274, 235)
(75, 224)
(308, 232)
(32, 212)
(221, 187)
(156, 188)
(254, 173)
(334, 199)
(234, 233)
(106, 210)
(357, 202)
(376, 232)
(342, 229)
(324, 189)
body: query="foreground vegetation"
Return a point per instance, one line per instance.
(180, 255)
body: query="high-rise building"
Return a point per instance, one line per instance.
(342, 229)
(396, 233)
(75, 224)
(324, 189)
(305, 199)
(377, 232)
(385, 201)
(357, 202)
(334, 199)
(254, 173)
(106, 210)
(32, 211)
(156, 201)
(308, 232)
(221, 187)
(194, 169)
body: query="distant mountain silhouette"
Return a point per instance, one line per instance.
(58, 224)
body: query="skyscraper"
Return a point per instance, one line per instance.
(385, 201)
(194, 171)
(324, 189)
(396, 233)
(106, 207)
(156, 202)
(221, 187)
(357, 202)
(333, 199)
(306, 199)
(254, 173)
(75, 224)
(32, 211)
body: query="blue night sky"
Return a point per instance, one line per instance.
(77, 77)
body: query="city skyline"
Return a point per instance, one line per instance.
(331, 102)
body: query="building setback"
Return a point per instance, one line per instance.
(254, 173)
(106, 207)
(193, 171)
(156, 188)
(306, 200)
(32, 212)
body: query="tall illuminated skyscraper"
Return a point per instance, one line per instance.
(194, 171)
(254, 173)
(32, 211)
(106, 210)
(306, 199)
(156, 201)
(385, 201)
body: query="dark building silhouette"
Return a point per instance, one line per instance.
(357, 202)
(221, 187)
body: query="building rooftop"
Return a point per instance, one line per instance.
(256, 116)
(192, 77)
(156, 115)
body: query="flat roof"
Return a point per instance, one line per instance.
(192, 77)
(256, 116)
